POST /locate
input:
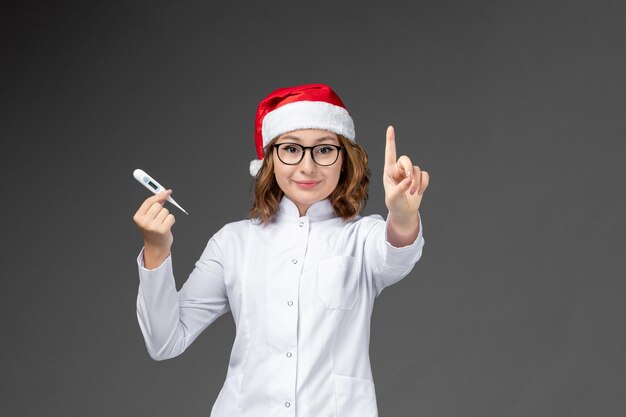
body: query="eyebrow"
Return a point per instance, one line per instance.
(318, 140)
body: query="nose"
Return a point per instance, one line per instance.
(308, 164)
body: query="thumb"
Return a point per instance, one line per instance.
(397, 190)
(163, 195)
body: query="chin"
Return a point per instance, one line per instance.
(306, 198)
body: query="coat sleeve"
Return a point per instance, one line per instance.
(169, 320)
(388, 263)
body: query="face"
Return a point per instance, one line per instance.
(307, 182)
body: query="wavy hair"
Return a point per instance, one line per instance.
(347, 199)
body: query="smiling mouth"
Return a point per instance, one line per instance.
(307, 184)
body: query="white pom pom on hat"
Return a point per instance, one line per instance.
(255, 166)
(308, 106)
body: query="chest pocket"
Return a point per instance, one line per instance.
(338, 282)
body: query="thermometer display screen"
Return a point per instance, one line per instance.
(152, 185)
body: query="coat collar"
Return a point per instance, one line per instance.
(288, 211)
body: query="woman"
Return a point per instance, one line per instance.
(300, 277)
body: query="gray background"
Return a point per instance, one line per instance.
(515, 109)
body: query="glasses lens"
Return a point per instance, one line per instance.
(290, 153)
(325, 154)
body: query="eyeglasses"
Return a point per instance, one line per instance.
(293, 153)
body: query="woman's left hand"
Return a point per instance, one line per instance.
(404, 182)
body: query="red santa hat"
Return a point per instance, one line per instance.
(309, 106)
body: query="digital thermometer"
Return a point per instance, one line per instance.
(152, 185)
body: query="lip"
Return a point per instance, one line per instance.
(307, 184)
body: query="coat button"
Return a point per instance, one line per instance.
(287, 404)
(301, 224)
(289, 303)
(294, 261)
(289, 354)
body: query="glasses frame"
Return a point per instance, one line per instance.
(304, 149)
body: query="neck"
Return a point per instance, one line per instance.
(302, 208)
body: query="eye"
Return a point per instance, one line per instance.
(325, 149)
(290, 149)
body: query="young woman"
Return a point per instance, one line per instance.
(301, 275)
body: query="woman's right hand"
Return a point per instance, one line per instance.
(155, 224)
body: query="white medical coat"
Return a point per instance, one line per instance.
(301, 292)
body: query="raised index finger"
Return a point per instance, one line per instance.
(390, 147)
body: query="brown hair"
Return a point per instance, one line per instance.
(347, 199)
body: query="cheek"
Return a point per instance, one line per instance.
(334, 178)
(281, 175)
(339, 169)
(279, 179)
(277, 169)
